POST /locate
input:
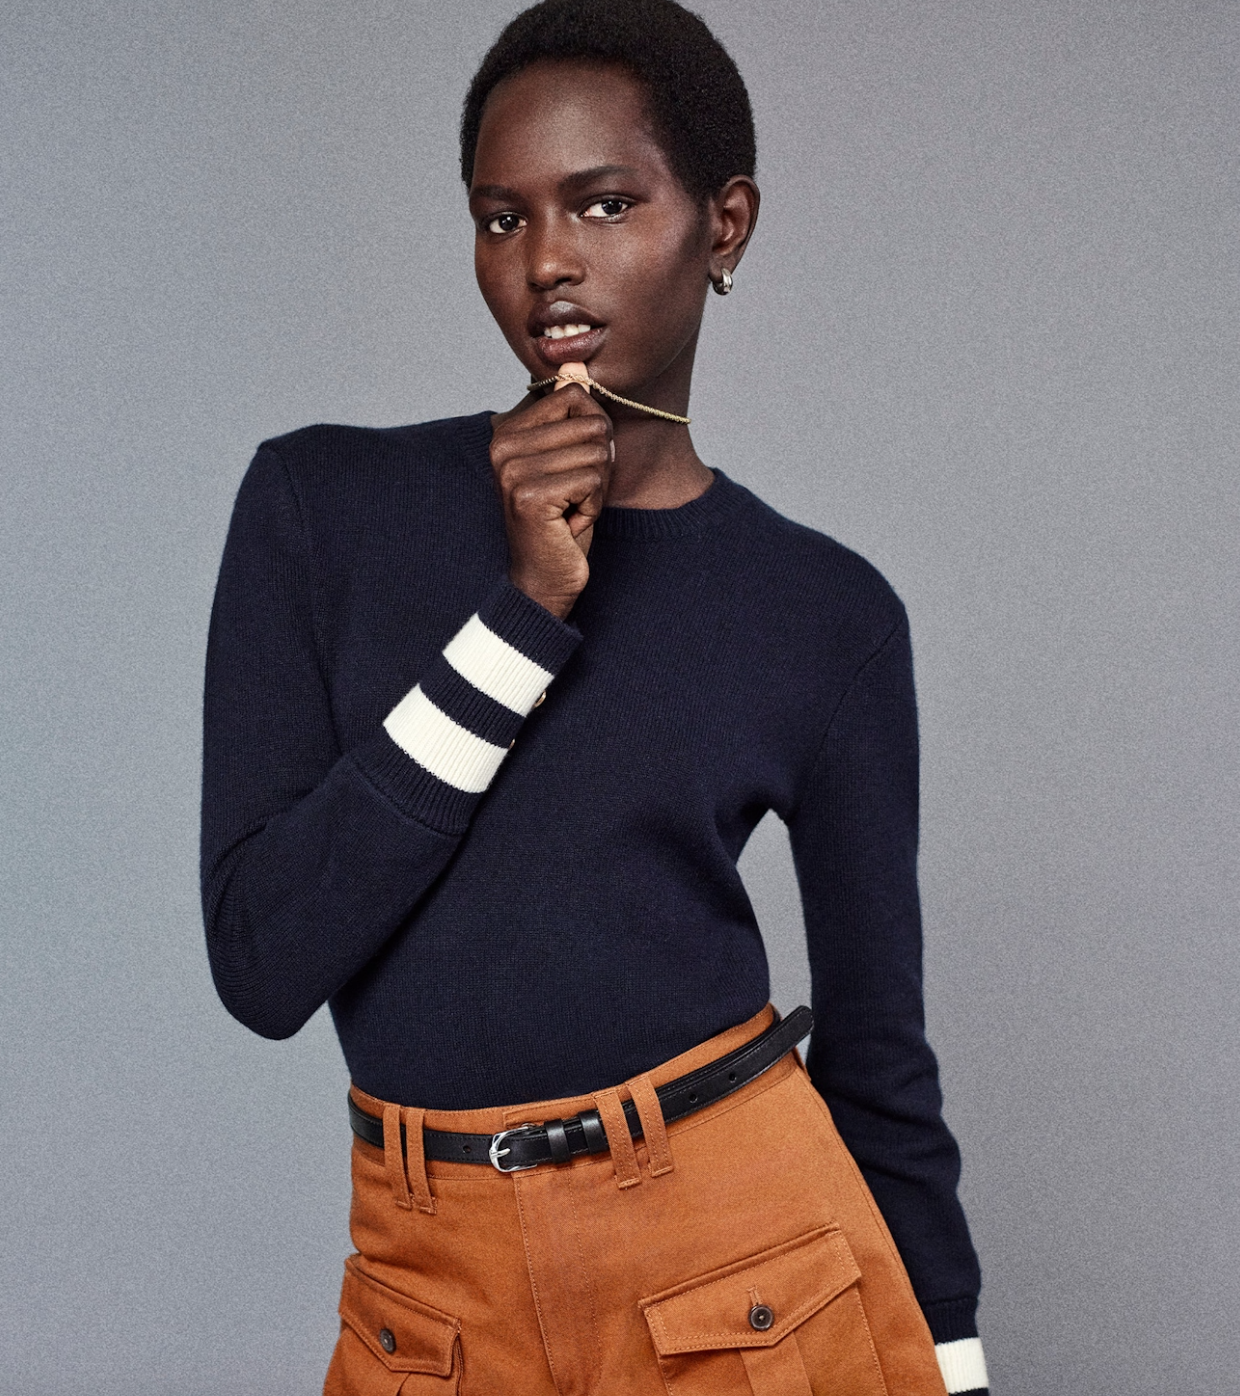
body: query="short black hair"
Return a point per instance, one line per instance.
(699, 108)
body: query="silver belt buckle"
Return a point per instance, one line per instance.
(497, 1153)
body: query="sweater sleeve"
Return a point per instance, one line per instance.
(854, 841)
(313, 857)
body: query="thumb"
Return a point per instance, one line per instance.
(572, 372)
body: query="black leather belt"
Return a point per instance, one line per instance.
(557, 1141)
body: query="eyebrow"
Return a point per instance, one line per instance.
(568, 185)
(592, 176)
(492, 191)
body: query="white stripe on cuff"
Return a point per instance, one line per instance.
(490, 663)
(963, 1365)
(441, 746)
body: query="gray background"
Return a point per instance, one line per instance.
(987, 335)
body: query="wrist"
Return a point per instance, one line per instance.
(558, 603)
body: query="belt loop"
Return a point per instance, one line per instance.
(624, 1156)
(392, 1156)
(654, 1130)
(415, 1160)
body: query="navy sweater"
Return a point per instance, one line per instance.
(492, 923)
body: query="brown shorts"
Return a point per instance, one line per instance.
(635, 1272)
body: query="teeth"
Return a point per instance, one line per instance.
(564, 331)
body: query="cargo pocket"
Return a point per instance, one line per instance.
(785, 1322)
(390, 1343)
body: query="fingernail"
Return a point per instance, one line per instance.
(611, 446)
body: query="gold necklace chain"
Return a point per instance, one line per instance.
(615, 397)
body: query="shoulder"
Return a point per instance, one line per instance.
(341, 442)
(330, 456)
(354, 497)
(815, 575)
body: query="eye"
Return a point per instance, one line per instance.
(608, 208)
(504, 223)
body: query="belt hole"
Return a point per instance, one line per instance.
(692, 1097)
(468, 1148)
(731, 1075)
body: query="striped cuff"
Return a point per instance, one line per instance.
(953, 1326)
(448, 736)
(963, 1365)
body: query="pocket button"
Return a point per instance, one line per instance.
(761, 1318)
(387, 1340)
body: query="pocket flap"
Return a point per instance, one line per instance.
(793, 1281)
(404, 1334)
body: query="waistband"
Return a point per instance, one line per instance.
(535, 1143)
(611, 1120)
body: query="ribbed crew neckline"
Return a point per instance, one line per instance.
(719, 500)
(617, 521)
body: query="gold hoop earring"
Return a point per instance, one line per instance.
(724, 284)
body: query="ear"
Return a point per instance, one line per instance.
(733, 212)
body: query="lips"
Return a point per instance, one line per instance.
(564, 332)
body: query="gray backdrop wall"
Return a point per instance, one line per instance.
(987, 335)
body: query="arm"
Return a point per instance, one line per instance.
(312, 858)
(854, 842)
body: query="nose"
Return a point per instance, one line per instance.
(553, 256)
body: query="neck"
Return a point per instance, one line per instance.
(656, 466)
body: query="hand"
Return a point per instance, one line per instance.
(552, 461)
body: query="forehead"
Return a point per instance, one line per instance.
(554, 118)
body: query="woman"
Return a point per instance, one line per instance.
(493, 704)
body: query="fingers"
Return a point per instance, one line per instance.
(550, 497)
(550, 520)
(574, 494)
(561, 421)
(552, 461)
(551, 448)
(548, 438)
(550, 464)
(569, 399)
(572, 404)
